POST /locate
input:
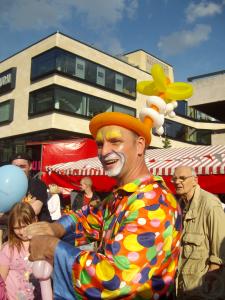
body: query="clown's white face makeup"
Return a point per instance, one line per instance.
(116, 150)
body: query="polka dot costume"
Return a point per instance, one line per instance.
(138, 236)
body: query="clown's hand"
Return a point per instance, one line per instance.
(45, 228)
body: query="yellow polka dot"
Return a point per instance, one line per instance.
(157, 214)
(131, 243)
(104, 270)
(106, 294)
(92, 220)
(130, 187)
(147, 188)
(136, 205)
(151, 272)
(172, 200)
(144, 291)
(171, 266)
(167, 244)
(83, 259)
(128, 275)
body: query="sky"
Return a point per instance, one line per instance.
(189, 35)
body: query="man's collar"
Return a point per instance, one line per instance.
(133, 186)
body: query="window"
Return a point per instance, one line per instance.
(80, 68)
(100, 76)
(57, 60)
(119, 83)
(6, 111)
(124, 109)
(61, 99)
(43, 64)
(41, 101)
(69, 101)
(96, 106)
(186, 133)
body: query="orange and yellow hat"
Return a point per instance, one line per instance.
(120, 119)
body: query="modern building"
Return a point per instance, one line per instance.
(209, 98)
(51, 89)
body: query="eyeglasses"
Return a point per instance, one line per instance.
(181, 178)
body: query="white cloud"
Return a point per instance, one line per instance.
(179, 41)
(39, 14)
(203, 9)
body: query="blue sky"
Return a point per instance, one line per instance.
(189, 35)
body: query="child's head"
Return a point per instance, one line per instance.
(21, 215)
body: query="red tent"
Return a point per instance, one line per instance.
(208, 162)
(64, 153)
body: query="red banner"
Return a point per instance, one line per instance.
(63, 152)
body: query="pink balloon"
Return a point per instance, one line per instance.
(42, 270)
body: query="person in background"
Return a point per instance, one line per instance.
(37, 194)
(54, 205)
(138, 230)
(87, 196)
(202, 237)
(15, 268)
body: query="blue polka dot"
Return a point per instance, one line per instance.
(146, 239)
(144, 275)
(93, 293)
(157, 283)
(115, 248)
(112, 284)
(167, 224)
(140, 196)
(152, 207)
(153, 261)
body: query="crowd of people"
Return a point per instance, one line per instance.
(148, 243)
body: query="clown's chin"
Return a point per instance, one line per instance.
(113, 172)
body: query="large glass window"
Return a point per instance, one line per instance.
(44, 64)
(57, 60)
(100, 76)
(94, 106)
(6, 111)
(70, 101)
(119, 83)
(80, 68)
(58, 98)
(185, 133)
(41, 101)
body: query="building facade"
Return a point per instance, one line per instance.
(51, 89)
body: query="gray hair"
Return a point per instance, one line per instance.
(193, 173)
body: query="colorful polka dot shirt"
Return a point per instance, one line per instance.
(137, 234)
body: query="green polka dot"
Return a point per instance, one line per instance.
(151, 253)
(84, 277)
(125, 290)
(168, 231)
(122, 262)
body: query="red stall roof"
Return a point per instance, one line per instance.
(204, 159)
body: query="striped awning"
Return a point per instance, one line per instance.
(84, 167)
(204, 159)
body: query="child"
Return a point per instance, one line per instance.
(15, 268)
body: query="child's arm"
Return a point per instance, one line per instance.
(4, 270)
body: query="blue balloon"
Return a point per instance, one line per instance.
(13, 186)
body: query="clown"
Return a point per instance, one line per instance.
(137, 230)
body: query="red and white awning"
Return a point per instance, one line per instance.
(84, 167)
(204, 159)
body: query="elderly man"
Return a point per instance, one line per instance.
(199, 270)
(137, 231)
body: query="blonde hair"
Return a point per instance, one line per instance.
(54, 189)
(87, 181)
(20, 214)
